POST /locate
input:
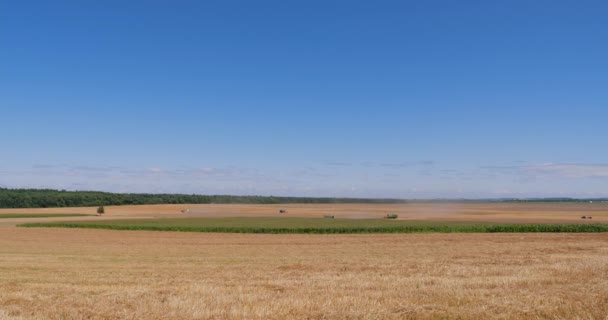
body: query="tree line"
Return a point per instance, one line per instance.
(47, 198)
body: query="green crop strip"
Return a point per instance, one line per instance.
(317, 226)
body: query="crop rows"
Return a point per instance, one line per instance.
(496, 228)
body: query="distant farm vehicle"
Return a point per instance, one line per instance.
(282, 211)
(391, 216)
(586, 217)
(329, 216)
(185, 210)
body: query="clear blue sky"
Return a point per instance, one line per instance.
(411, 99)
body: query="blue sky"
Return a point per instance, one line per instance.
(409, 99)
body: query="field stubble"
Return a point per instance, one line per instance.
(104, 274)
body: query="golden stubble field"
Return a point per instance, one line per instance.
(105, 274)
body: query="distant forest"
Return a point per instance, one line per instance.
(47, 198)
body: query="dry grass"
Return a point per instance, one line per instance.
(102, 274)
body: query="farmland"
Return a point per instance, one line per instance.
(442, 212)
(40, 215)
(61, 273)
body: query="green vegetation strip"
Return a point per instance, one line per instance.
(43, 215)
(316, 226)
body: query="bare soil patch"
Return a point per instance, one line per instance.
(485, 212)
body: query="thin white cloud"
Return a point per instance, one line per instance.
(393, 165)
(552, 169)
(568, 170)
(423, 180)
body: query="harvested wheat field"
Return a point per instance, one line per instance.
(104, 274)
(48, 273)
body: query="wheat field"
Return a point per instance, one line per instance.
(106, 274)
